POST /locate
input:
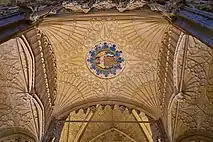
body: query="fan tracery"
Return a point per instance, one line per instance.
(132, 34)
(192, 113)
(16, 84)
(111, 67)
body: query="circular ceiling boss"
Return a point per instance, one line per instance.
(105, 60)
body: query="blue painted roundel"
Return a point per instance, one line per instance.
(105, 60)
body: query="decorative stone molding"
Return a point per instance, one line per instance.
(45, 73)
(49, 67)
(43, 9)
(102, 5)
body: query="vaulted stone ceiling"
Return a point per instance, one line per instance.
(167, 74)
(192, 109)
(25, 97)
(74, 36)
(18, 110)
(159, 61)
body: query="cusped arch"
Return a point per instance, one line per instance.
(130, 104)
(101, 112)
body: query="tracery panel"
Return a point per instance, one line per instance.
(16, 86)
(192, 108)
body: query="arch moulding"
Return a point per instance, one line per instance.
(129, 104)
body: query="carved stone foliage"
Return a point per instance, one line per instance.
(193, 78)
(73, 37)
(82, 6)
(15, 84)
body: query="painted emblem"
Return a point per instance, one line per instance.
(105, 60)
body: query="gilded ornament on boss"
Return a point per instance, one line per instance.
(105, 60)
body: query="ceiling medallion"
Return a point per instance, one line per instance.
(105, 60)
